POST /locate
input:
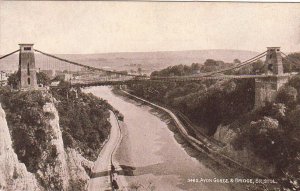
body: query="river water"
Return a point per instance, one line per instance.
(150, 154)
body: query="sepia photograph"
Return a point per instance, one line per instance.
(149, 96)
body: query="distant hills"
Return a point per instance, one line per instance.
(149, 61)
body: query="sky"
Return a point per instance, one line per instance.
(100, 27)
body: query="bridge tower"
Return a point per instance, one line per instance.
(266, 88)
(27, 70)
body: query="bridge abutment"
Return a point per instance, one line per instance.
(266, 88)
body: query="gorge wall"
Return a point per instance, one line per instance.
(59, 168)
(13, 174)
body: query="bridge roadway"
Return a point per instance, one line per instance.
(124, 81)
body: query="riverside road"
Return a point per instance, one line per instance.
(149, 154)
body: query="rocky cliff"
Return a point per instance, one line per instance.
(58, 168)
(78, 172)
(245, 156)
(53, 169)
(13, 174)
(67, 170)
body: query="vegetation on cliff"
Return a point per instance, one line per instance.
(27, 121)
(206, 103)
(271, 133)
(83, 119)
(14, 79)
(37, 137)
(32, 134)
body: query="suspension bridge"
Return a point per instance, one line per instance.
(266, 84)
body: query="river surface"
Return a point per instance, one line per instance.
(150, 154)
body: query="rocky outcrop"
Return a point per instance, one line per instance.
(224, 134)
(246, 157)
(53, 171)
(56, 168)
(79, 169)
(59, 168)
(13, 174)
(68, 169)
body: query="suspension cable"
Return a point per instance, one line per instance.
(259, 69)
(289, 59)
(238, 66)
(259, 55)
(85, 66)
(249, 61)
(223, 70)
(284, 58)
(9, 54)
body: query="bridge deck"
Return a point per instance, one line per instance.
(122, 81)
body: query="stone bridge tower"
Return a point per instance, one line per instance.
(27, 70)
(266, 88)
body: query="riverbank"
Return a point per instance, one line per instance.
(102, 169)
(152, 154)
(230, 167)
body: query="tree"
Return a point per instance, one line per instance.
(294, 118)
(236, 61)
(295, 82)
(195, 66)
(267, 140)
(292, 62)
(258, 67)
(209, 66)
(139, 70)
(42, 78)
(155, 73)
(14, 80)
(212, 65)
(287, 95)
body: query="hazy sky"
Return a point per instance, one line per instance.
(95, 27)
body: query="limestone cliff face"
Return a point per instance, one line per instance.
(77, 165)
(58, 168)
(224, 134)
(53, 172)
(67, 169)
(13, 174)
(245, 156)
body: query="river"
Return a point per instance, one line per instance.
(150, 154)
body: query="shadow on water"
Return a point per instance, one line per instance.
(100, 174)
(157, 169)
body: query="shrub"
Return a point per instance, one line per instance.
(287, 95)
(26, 122)
(84, 120)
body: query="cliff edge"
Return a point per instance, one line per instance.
(13, 174)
